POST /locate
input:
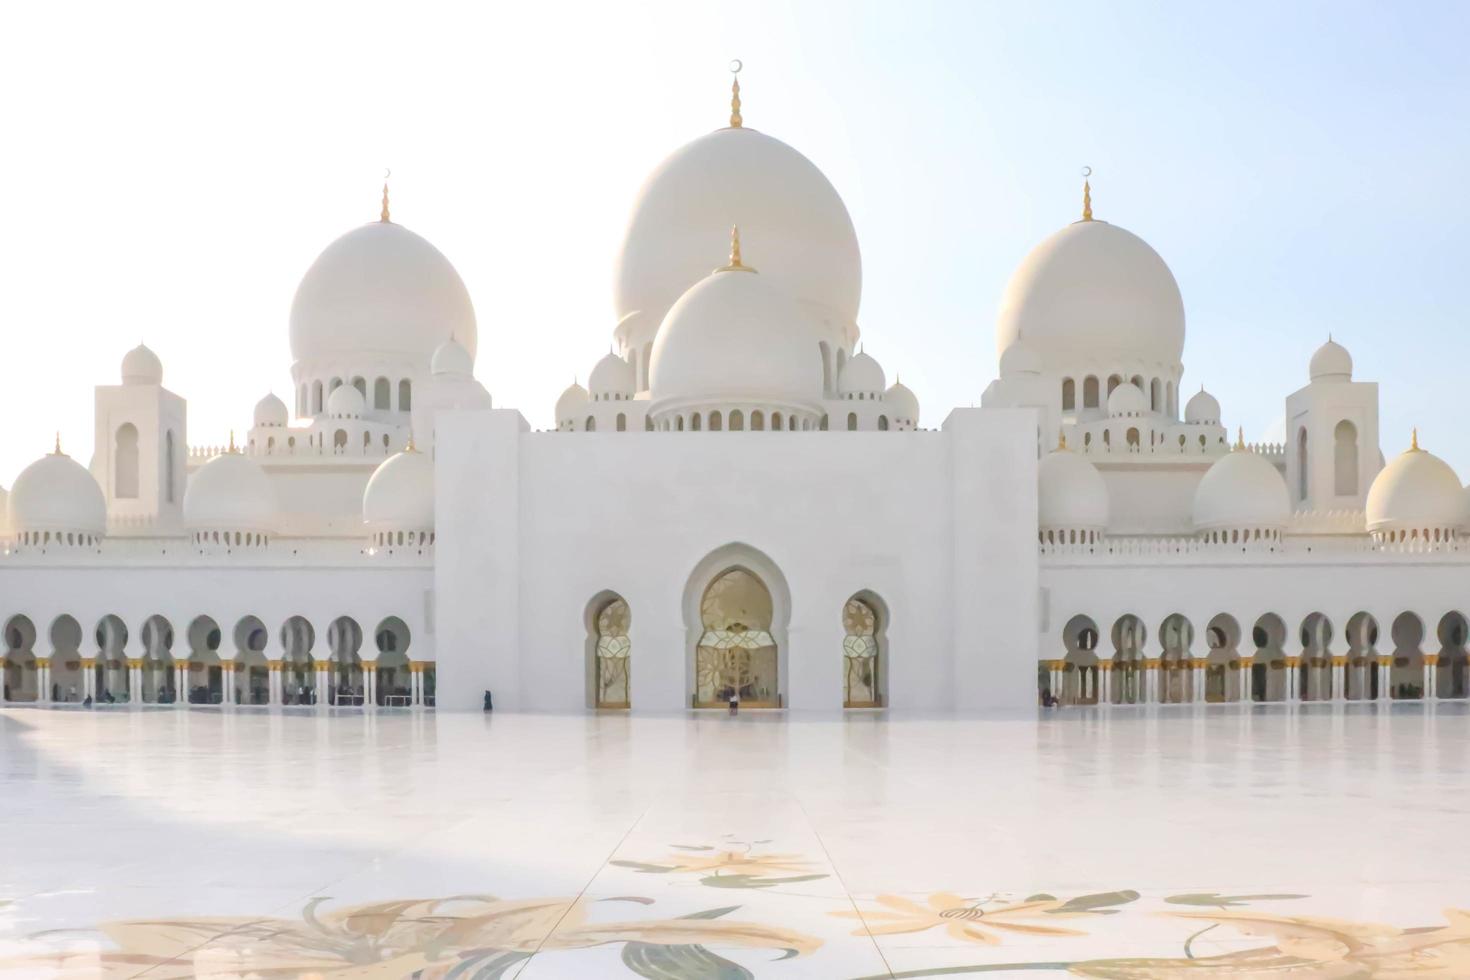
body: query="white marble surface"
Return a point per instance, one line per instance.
(167, 843)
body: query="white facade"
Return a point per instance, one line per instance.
(738, 505)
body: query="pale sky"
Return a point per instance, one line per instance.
(170, 171)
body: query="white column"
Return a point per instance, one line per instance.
(1339, 681)
(1243, 682)
(1105, 686)
(43, 680)
(135, 682)
(227, 682)
(273, 683)
(1385, 675)
(1430, 677)
(181, 683)
(371, 688)
(415, 686)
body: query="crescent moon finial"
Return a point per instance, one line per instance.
(387, 172)
(735, 120)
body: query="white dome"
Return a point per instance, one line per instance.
(1127, 400)
(1093, 292)
(140, 366)
(1331, 362)
(1019, 359)
(612, 376)
(1071, 493)
(56, 493)
(230, 493)
(271, 411)
(736, 337)
(862, 374)
(400, 495)
(792, 218)
(1241, 490)
(572, 402)
(902, 403)
(1202, 409)
(346, 402)
(1416, 491)
(450, 357)
(380, 290)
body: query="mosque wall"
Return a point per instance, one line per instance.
(1156, 499)
(533, 527)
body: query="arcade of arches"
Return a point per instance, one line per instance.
(192, 665)
(1265, 661)
(737, 655)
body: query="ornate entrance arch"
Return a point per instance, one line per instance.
(735, 611)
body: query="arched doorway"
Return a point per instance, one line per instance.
(298, 683)
(1224, 680)
(394, 683)
(112, 685)
(1268, 670)
(1361, 673)
(1129, 666)
(1406, 680)
(22, 679)
(1315, 679)
(252, 671)
(1450, 680)
(1176, 680)
(609, 619)
(345, 680)
(1080, 673)
(158, 662)
(862, 652)
(736, 655)
(204, 674)
(67, 685)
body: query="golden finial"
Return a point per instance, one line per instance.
(1240, 438)
(386, 174)
(1061, 439)
(232, 448)
(57, 451)
(735, 264)
(410, 448)
(1414, 441)
(735, 121)
(1086, 194)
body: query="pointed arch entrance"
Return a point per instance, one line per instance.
(736, 608)
(609, 650)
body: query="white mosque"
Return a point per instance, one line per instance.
(739, 502)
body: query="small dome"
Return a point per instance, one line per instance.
(612, 376)
(1071, 493)
(861, 375)
(1019, 359)
(1332, 362)
(271, 411)
(1093, 292)
(230, 493)
(1202, 409)
(1127, 401)
(1416, 491)
(571, 403)
(346, 402)
(1241, 490)
(902, 403)
(400, 495)
(380, 290)
(56, 493)
(736, 336)
(140, 366)
(450, 357)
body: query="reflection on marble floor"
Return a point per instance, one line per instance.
(1322, 842)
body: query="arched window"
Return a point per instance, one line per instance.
(736, 653)
(339, 439)
(405, 395)
(852, 421)
(361, 385)
(1345, 459)
(1133, 438)
(828, 382)
(612, 651)
(382, 394)
(1156, 395)
(591, 425)
(1139, 383)
(1069, 395)
(1113, 382)
(125, 462)
(775, 421)
(882, 423)
(1301, 463)
(860, 654)
(715, 422)
(316, 397)
(694, 422)
(622, 422)
(737, 421)
(757, 421)
(1089, 393)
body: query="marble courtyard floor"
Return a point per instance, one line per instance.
(1312, 841)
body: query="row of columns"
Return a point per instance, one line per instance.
(1155, 676)
(321, 681)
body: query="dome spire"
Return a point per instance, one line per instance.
(735, 265)
(1086, 194)
(1413, 440)
(1061, 439)
(736, 122)
(232, 448)
(1240, 438)
(57, 451)
(384, 216)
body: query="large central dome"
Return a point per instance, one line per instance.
(380, 290)
(1094, 292)
(788, 213)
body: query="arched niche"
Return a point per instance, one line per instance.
(736, 557)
